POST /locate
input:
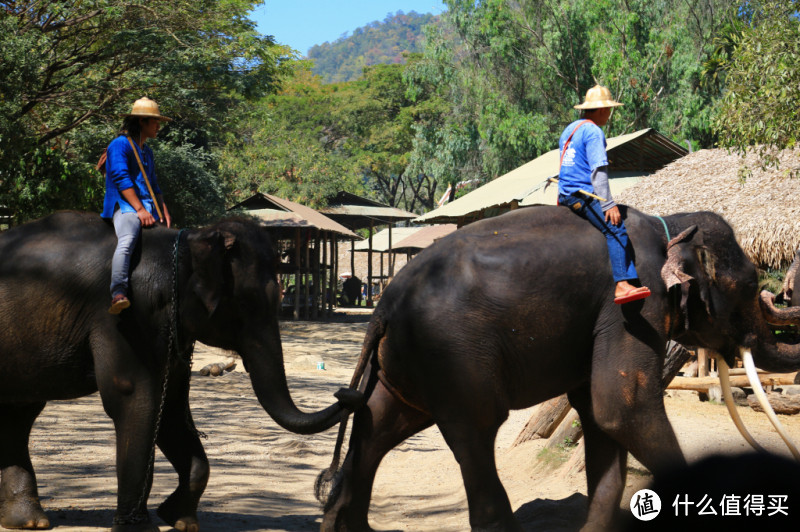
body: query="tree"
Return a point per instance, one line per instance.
(511, 70)
(68, 69)
(762, 80)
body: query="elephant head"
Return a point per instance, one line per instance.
(715, 299)
(232, 300)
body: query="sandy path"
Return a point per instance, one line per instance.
(262, 476)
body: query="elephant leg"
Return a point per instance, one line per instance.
(131, 397)
(473, 448)
(178, 440)
(379, 426)
(19, 496)
(606, 463)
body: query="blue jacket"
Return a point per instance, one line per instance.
(122, 172)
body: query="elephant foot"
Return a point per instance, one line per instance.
(145, 526)
(23, 513)
(173, 512)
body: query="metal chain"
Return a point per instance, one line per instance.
(173, 347)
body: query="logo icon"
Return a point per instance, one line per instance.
(645, 505)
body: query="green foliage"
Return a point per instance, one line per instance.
(762, 77)
(69, 69)
(510, 72)
(376, 43)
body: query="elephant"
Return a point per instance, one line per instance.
(216, 285)
(510, 311)
(790, 280)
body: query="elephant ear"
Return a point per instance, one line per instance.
(686, 253)
(209, 251)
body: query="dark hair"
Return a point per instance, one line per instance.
(131, 126)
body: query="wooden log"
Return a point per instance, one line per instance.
(702, 384)
(569, 431)
(544, 420)
(781, 404)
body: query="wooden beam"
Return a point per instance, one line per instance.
(702, 384)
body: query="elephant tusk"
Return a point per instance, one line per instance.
(752, 376)
(725, 384)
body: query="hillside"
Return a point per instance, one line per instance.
(375, 43)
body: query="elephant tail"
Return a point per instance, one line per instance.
(325, 489)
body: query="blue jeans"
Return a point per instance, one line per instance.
(619, 247)
(128, 228)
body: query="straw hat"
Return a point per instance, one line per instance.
(146, 108)
(598, 97)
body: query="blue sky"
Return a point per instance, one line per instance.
(303, 23)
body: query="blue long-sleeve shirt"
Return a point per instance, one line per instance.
(122, 172)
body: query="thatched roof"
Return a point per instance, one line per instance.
(762, 209)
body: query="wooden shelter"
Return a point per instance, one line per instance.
(630, 158)
(308, 246)
(761, 208)
(356, 212)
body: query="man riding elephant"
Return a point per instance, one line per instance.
(583, 187)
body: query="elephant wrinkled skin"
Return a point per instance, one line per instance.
(511, 311)
(57, 341)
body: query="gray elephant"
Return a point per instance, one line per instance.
(216, 285)
(511, 311)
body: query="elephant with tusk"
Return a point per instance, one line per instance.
(216, 285)
(511, 311)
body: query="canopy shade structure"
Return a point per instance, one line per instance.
(761, 208)
(283, 214)
(630, 157)
(423, 238)
(380, 240)
(356, 212)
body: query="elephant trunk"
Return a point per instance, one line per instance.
(771, 354)
(264, 361)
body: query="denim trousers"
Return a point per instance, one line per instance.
(619, 247)
(128, 228)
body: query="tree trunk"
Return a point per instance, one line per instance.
(544, 420)
(781, 404)
(568, 433)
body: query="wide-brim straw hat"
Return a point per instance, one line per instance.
(146, 108)
(598, 97)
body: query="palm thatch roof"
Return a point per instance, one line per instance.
(762, 208)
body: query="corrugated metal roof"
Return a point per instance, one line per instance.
(282, 213)
(380, 240)
(643, 152)
(357, 212)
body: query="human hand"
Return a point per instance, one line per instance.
(613, 216)
(145, 217)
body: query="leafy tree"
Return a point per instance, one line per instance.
(288, 145)
(511, 70)
(68, 69)
(762, 80)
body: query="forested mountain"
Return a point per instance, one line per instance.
(376, 43)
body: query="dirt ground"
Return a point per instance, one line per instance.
(262, 477)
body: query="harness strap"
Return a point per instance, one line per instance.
(666, 230)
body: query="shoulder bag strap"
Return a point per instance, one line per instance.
(564, 150)
(147, 181)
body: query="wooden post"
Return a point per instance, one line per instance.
(702, 362)
(334, 275)
(296, 313)
(316, 278)
(391, 255)
(306, 270)
(369, 265)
